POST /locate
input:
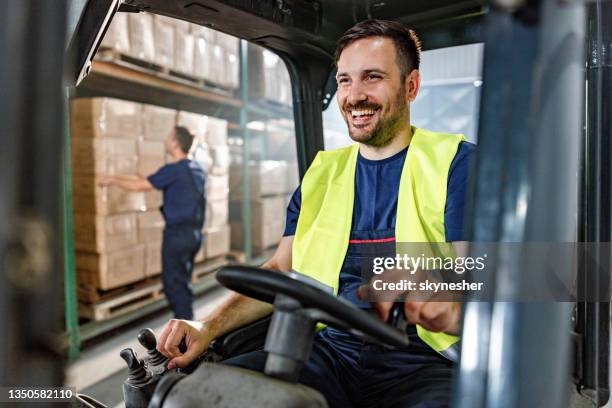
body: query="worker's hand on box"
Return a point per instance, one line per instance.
(197, 338)
(437, 312)
(105, 180)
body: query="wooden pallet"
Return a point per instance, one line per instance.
(118, 58)
(121, 304)
(208, 267)
(90, 294)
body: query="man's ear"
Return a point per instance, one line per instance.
(413, 84)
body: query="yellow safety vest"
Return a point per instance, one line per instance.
(328, 190)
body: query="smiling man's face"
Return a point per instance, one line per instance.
(372, 97)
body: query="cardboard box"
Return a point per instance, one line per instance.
(151, 156)
(89, 198)
(195, 123)
(163, 34)
(220, 160)
(117, 35)
(217, 213)
(200, 255)
(266, 178)
(267, 223)
(150, 226)
(153, 200)
(216, 132)
(217, 187)
(141, 36)
(217, 241)
(153, 258)
(232, 70)
(202, 57)
(217, 64)
(104, 156)
(157, 122)
(112, 269)
(184, 52)
(105, 117)
(101, 234)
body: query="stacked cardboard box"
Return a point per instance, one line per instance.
(105, 134)
(216, 228)
(268, 76)
(268, 189)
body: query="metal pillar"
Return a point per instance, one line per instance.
(31, 119)
(246, 151)
(593, 317)
(70, 281)
(517, 354)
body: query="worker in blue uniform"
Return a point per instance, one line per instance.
(377, 74)
(184, 203)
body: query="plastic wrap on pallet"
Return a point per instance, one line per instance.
(105, 117)
(117, 35)
(202, 58)
(163, 33)
(184, 52)
(232, 70)
(218, 65)
(141, 36)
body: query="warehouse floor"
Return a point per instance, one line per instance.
(99, 371)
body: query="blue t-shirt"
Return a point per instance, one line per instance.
(183, 186)
(376, 189)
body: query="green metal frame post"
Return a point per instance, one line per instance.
(70, 285)
(246, 190)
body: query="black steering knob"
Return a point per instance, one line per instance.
(146, 337)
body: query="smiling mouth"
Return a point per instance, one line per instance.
(362, 117)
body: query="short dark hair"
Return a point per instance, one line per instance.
(184, 138)
(407, 44)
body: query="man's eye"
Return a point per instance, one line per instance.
(342, 81)
(372, 77)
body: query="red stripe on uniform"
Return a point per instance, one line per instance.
(369, 241)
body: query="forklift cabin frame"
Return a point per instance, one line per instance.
(532, 113)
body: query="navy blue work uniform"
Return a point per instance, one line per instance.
(184, 206)
(347, 370)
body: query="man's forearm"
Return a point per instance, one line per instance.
(130, 183)
(236, 311)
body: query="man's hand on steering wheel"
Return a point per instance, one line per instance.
(436, 312)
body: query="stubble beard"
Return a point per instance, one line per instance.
(387, 128)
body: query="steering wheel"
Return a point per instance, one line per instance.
(264, 285)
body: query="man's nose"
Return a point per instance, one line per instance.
(356, 94)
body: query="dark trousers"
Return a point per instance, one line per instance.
(179, 247)
(352, 373)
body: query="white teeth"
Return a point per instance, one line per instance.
(362, 112)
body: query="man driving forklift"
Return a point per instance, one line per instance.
(352, 202)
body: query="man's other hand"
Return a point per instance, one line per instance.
(197, 338)
(433, 314)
